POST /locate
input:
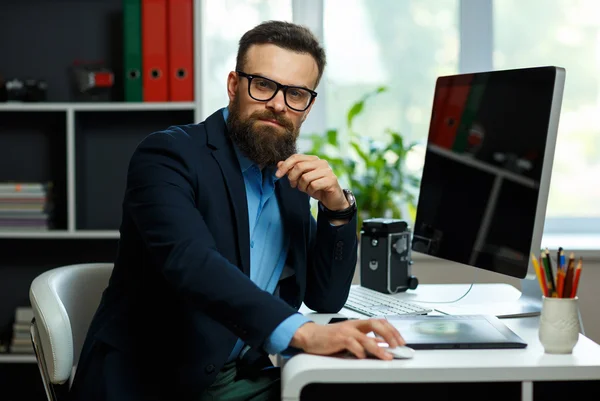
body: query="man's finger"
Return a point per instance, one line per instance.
(301, 168)
(309, 177)
(318, 185)
(387, 331)
(354, 346)
(384, 331)
(395, 331)
(286, 165)
(371, 346)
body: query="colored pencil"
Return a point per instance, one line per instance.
(569, 276)
(540, 275)
(549, 274)
(560, 273)
(576, 278)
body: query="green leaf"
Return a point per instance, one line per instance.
(332, 137)
(355, 110)
(358, 107)
(360, 152)
(381, 189)
(412, 209)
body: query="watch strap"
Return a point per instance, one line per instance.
(344, 214)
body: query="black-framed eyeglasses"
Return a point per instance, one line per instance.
(264, 89)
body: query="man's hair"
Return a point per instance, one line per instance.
(286, 35)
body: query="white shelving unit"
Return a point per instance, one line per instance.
(80, 135)
(62, 234)
(109, 106)
(17, 358)
(84, 147)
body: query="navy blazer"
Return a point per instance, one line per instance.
(180, 293)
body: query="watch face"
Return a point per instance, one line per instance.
(350, 196)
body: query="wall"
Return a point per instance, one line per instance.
(431, 271)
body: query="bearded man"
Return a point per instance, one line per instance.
(219, 249)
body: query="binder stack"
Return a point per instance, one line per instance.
(158, 50)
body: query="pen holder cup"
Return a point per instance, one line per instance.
(559, 325)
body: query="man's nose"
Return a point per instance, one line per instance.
(277, 104)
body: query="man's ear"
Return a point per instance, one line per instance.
(232, 85)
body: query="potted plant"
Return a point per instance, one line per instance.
(374, 169)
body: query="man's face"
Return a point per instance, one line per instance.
(266, 131)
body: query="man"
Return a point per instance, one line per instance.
(218, 247)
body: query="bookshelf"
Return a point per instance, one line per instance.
(8, 358)
(83, 148)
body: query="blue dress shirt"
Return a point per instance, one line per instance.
(268, 246)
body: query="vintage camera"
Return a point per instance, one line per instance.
(385, 257)
(23, 90)
(93, 81)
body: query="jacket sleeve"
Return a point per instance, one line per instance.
(160, 199)
(331, 264)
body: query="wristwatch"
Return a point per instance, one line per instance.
(344, 214)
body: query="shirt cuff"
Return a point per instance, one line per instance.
(281, 337)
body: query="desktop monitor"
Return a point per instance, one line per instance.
(488, 161)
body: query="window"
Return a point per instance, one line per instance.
(400, 45)
(403, 45)
(225, 22)
(565, 33)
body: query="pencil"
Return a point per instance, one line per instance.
(539, 274)
(559, 261)
(549, 275)
(560, 273)
(569, 276)
(576, 278)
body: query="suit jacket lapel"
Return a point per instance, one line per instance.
(224, 154)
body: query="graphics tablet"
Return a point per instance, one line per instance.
(451, 331)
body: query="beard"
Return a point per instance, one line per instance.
(264, 144)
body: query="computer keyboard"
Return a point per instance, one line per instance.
(373, 303)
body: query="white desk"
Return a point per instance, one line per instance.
(526, 366)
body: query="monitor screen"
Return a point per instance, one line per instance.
(487, 168)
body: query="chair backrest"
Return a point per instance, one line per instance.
(64, 301)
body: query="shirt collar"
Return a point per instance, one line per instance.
(246, 163)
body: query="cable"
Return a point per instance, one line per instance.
(457, 299)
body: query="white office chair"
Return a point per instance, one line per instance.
(64, 301)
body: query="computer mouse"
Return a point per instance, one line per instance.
(401, 352)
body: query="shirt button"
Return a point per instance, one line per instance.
(251, 244)
(209, 368)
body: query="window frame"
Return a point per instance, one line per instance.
(475, 27)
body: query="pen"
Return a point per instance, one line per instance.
(576, 278)
(569, 277)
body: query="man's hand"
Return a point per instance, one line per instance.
(314, 176)
(350, 335)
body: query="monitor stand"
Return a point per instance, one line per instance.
(528, 304)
